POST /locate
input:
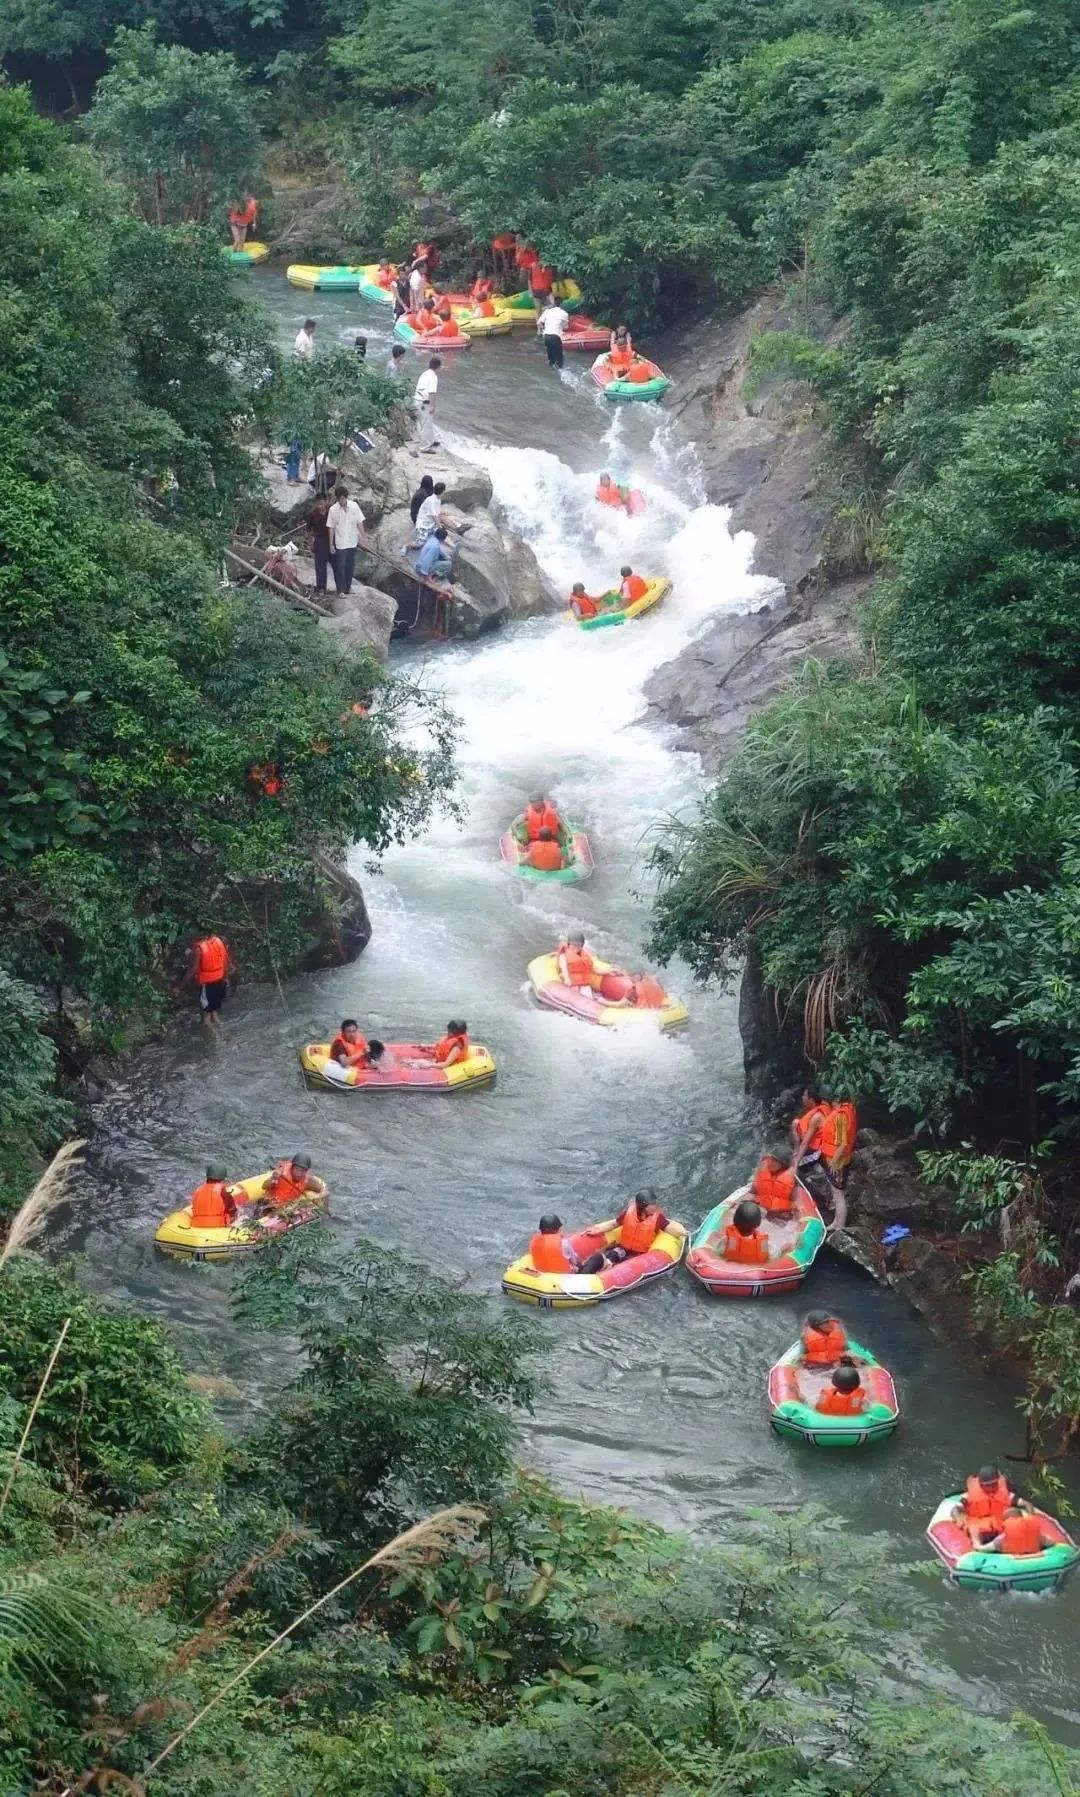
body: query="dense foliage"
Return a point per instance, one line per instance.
(555, 1646)
(135, 693)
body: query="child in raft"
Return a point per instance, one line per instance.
(773, 1184)
(744, 1238)
(824, 1339)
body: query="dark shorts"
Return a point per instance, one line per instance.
(838, 1176)
(213, 996)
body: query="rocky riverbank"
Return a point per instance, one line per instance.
(496, 574)
(763, 452)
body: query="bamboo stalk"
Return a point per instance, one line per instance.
(40, 1393)
(290, 593)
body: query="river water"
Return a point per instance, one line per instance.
(657, 1402)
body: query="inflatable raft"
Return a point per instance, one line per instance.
(581, 1001)
(655, 590)
(446, 337)
(585, 333)
(569, 1291)
(177, 1237)
(342, 279)
(579, 859)
(794, 1390)
(251, 253)
(370, 287)
(793, 1247)
(568, 294)
(614, 386)
(477, 1069)
(978, 1570)
(499, 325)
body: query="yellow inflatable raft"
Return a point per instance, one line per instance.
(176, 1236)
(592, 1007)
(570, 1291)
(500, 325)
(409, 1070)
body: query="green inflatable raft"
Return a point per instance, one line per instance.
(794, 1390)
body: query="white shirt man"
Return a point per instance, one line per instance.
(428, 516)
(304, 341)
(417, 283)
(427, 388)
(551, 325)
(345, 526)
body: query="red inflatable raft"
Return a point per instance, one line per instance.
(793, 1245)
(585, 333)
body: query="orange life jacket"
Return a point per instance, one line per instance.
(444, 1049)
(639, 372)
(526, 256)
(649, 995)
(841, 1403)
(822, 1347)
(210, 1206)
(542, 279)
(580, 966)
(610, 495)
(546, 857)
(283, 1184)
(990, 1506)
(351, 1050)
(548, 1254)
(506, 240)
(426, 320)
(385, 276)
(584, 605)
(481, 290)
(633, 588)
(485, 308)
(802, 1126)
(749, 1249)
(638, 1233)
(244, 215)
(541, 817)
(1023, 1535)
(774, 1191)
(211, 960)
(838, 1135)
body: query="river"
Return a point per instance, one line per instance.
(657, 1402)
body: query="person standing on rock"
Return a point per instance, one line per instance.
(304, 342)
(345, 524)
(318, 529)
(424, 400)
(551, 326)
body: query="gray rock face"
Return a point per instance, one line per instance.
(342, 928)
(497, 569)
(363, 619)
(467, 486)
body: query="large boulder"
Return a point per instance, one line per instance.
(285, 505)
(467, 486)
(498, 569)
(341, 929)
(363, 619)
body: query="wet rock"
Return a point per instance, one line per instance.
(498, 569)
(363, 619)
(467, 486)
(285, 505)
(341, 930)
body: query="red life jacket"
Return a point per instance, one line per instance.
(211, 1206)
(548, 1254)
(990, 1506)
(841, 1403)
(823, 1347)
(506, 240)
(526, 256)
(749, 1249)
(610, 495)
(541, 817)
(634, 587)
(774, 1191)
(482, 289)
(1023, 1535)
(542, 279)
(546, 857)
(580, 966)
(211, 960)
(444, 1049)
(637, 1233)
(283, 1185)
(341, 1049)
(584, 605)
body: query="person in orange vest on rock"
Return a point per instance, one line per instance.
(582, 604)
(544, 854)
(209, 967)
(773, 1184)
(549, 1250)
(640, 1222)
(845, 1394)
(981, 1510)
(526, 257)
(540, 814)
(213, 1204)
(1021, 1534)
(242, 220)
(631, 586)
(824, 1339)
(621, 350)
(575, 964)
(292, 1179)
(744, 1238)
(826, 1132)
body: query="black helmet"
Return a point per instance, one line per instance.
(302, 1160)
(217, 1170)
(988, 1475)
(747, 1216)
(819, 1319)
(550, 1224)
(846, 1378)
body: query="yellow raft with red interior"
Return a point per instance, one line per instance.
(178, 1237)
